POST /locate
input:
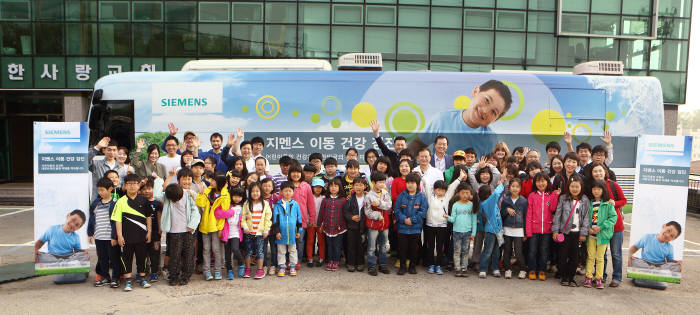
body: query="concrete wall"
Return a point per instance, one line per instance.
(670, 119)
(75, 107)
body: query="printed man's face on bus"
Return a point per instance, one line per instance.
(485, 108)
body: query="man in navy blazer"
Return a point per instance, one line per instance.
(440, 159)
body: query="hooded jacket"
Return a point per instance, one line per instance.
(438, 206)
(540, 211)
(209, 222)
(562, 214)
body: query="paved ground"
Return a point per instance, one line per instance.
(319, 291)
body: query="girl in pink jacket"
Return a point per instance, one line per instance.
(305, 198)
(542, 203)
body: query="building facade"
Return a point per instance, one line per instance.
(52, 51)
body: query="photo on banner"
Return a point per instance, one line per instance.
(61, 185)
(661, 196)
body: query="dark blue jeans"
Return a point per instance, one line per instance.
(254, 246)
(334, 245)
(616, 252)
(489, 253)
(538, 250)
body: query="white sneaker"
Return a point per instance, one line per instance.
(482, 275)
(497, 273)
(522, 274)
(509, 274)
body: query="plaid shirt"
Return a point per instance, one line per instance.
(331, 216)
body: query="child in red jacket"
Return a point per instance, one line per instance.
(538, 225)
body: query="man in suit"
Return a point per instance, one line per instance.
(440, 159)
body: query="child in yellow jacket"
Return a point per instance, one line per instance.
(216, 196)
(256, 224)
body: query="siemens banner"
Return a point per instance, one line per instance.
(187, 97)
(61, 185)
(663, 167)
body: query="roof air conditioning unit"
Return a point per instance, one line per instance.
(360, 62)
(599, 68)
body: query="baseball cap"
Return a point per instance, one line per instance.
(197, 161)
(459, 153)
(317, 182)
(189, 132)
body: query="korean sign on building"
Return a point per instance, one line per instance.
(69, 72)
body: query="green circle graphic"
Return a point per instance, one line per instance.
(337, 107)
(610, 116)
(335, 123)
(295, 113)
(521, 97)
(315, 118)
(245, 109)
(403, 122)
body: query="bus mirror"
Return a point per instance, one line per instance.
(95, 118)
(97, 97)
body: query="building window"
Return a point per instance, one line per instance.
(214, 39)
(246, 40)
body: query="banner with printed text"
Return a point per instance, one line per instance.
(660, 196)
(61, 182)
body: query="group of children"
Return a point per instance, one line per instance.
(424, 208)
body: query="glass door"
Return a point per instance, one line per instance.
(4, 151)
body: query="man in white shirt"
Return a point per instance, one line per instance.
(428, 173)
(172, 159)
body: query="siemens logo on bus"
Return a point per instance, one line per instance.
(186, 97)
(184, 101)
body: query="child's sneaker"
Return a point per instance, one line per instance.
(329, 266)
(458, 273)
(310, 264)
(509, 274)
(271, 271)
(298, 266)
(497, 273)
(599, 284)
(465, 272)
(384, 270)
(246, 274)
(154, 277)
(100, 282)
(217, 275)
(531, 275)
(259, 274)
(397, 263)
(431, 269)
(587, 283)
(401, 271)
(372, 271)
(336, 266)
(482, 275)
(114, 284)
(438, 270)
(241, 270)
(127, 285)
(145, 284)
(522, 274)
(281, 272)
(207, 276)
(292, 271)
(230, 275)
(542, 276)
(319, 263)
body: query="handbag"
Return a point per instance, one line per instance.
(560, 236)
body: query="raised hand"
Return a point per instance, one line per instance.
(567, 137)
(172, 129)
(462, 175)
(482, 162)
(607, 138)
(239, 133)
(196, 142)
(375, 127)
(104, 142)
(141, 145)
(231, 140)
